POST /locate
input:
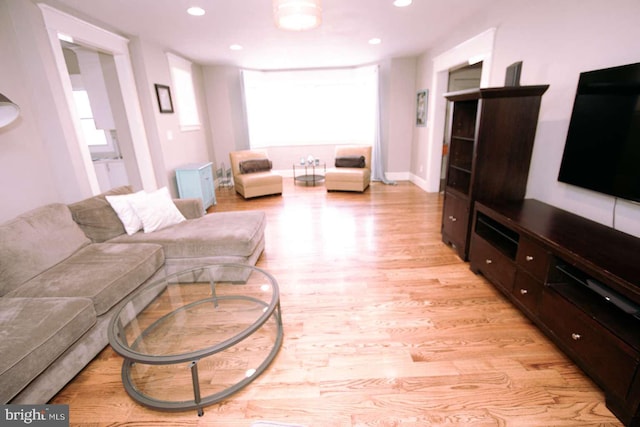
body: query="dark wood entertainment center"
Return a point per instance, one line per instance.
(543, 258)
(577, 280)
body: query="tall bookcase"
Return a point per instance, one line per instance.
(491, 139)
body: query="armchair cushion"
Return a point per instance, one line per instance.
(255, 165)
(350, 162)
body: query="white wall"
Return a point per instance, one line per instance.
(229, 131)
(556, 41)
(223, 95)
(172, 147)
(402, 115)
(25, 173)
(41, 160)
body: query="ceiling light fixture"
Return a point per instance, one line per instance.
(195, 11)
(235, 47)
(375, 41)
(402, 3)
(297, 15)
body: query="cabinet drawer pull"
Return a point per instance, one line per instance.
(529, 258)
(488, 261)
(453, 218)
(524, 291)
(575, 336)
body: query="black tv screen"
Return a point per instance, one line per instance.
(602, 151)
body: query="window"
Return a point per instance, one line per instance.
(316, 107)
(184, 94)
(93, 136)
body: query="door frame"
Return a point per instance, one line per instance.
(478, 48)
(60, 23)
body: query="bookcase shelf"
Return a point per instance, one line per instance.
(490, 143)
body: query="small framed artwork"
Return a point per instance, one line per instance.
(421, 108)
(164, 98)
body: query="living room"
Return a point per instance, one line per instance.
(41, 161)
(555, 43)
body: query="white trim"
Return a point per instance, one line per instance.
(398, 176)
(480, 46)
(90, 35)
(419, 181)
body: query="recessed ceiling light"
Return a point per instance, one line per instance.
(375, 40)
(402, 3)
(235, 47)
(195, 11)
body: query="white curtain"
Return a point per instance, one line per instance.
(310, 107)
(377, 159)
(303, 107)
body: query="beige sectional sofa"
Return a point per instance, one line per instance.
(65, 269)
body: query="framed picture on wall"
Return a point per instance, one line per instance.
(421, 108)
(164, 98)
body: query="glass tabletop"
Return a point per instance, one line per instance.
(195, 337)
(193, 313)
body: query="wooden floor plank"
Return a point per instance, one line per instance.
(384, 326)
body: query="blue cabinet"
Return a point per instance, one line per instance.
(196, 180)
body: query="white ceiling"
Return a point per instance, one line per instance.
(341, 40)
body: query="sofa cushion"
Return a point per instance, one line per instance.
(216, 234)
(255, 165)
(97, 218)
(127, 215)
(156, 210)
(102, 272)
(350, 162)
(33, 333)
(35, 241)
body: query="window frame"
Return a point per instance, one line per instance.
(184, 95)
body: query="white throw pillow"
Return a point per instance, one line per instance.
(156, 210)
(121, 204)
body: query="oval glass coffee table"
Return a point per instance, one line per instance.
(196, 337)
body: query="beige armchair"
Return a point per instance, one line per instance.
(252, 174)
(350, 178)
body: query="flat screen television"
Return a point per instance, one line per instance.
(602, 151)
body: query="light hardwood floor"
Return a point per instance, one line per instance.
(384, 326)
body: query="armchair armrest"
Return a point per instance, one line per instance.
(190, 208)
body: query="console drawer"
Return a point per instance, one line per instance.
(528, 291)
(492, 263)
(603, 356)
(533, 258)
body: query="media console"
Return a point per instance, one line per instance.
(577, 280)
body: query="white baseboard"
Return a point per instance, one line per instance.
(393, 176)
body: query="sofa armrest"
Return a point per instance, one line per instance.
(190, 208)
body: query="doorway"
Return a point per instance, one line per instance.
(91, 93)
(460, 78)
(122, 95)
